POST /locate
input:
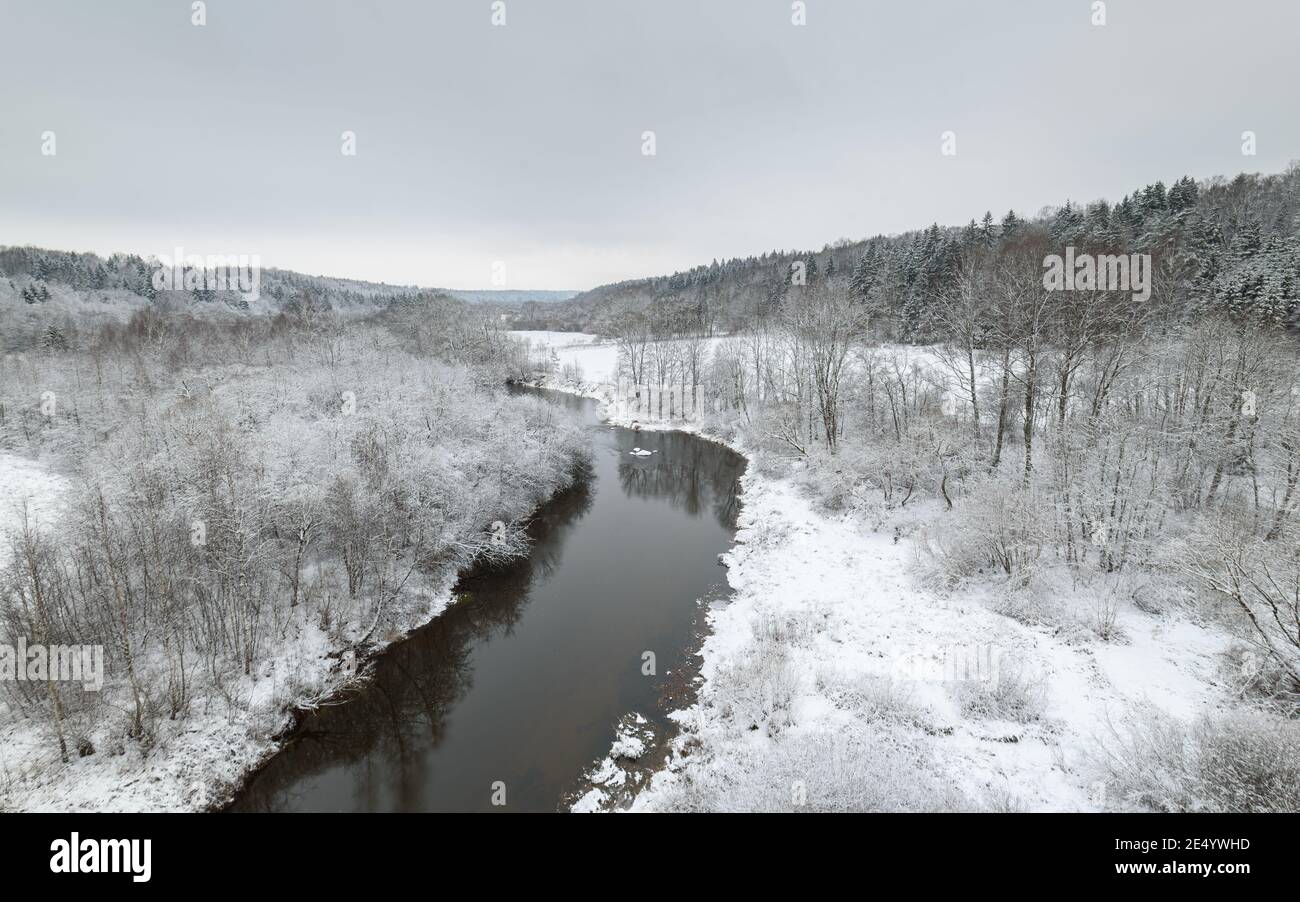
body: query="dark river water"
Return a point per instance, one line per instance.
(523, 681)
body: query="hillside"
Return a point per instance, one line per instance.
(1218, 243)
(52, 295)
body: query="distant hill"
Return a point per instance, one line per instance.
(40, 287)
(510, 296)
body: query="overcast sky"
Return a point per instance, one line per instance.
(478, 143)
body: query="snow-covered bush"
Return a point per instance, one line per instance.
(1255, 582)
(1015, 693)
(1245, 761)
(1080, 606)
(873, 699)
(994, 531)
(1258, 676)
(864, 767)
(759, 689)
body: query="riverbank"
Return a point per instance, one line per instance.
(520, 684)
(838, 679)
(206, 762)
(207, 718)
(199, 764)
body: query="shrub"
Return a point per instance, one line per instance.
(1245, 761)
(1015, 693)
(872, 769)
(759, 691)
(994, 530)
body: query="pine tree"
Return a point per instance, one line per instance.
(1247, 242)
(1126, 218)
(1066, 224)
(866, 275)
(1098, 220)
(1154, 201)
(53, 339)
(1177, 201)
(144, 280)
(1010, 224)
(1206, 251)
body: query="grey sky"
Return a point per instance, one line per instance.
(523, 143)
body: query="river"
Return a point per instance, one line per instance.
(515, 690)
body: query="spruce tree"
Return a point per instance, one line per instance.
(1010, 224)
(1066, 224)
(53, 339)
(866, 275)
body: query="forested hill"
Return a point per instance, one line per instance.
(509, 295)
(1221, 243)
(51, 296)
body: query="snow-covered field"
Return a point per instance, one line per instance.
(859, 621)
(865, 687)
(596, 360)
(27, 489)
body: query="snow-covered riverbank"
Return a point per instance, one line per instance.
(835, 678)
(189, 720)
(192, 764)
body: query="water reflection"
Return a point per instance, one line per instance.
(522, 680)
(685, 471)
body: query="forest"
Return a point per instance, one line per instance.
(1219, 245)
(248, 486)
(252, 508)
(1078, 459)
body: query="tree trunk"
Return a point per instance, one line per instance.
(1003, 401)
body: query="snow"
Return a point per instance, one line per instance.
(26, 486)
(866, 618)
(616, 776)
(568, 340)
(199, 741)
(194, 763)
(595, 358)
(854, 613)
(859, 616)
